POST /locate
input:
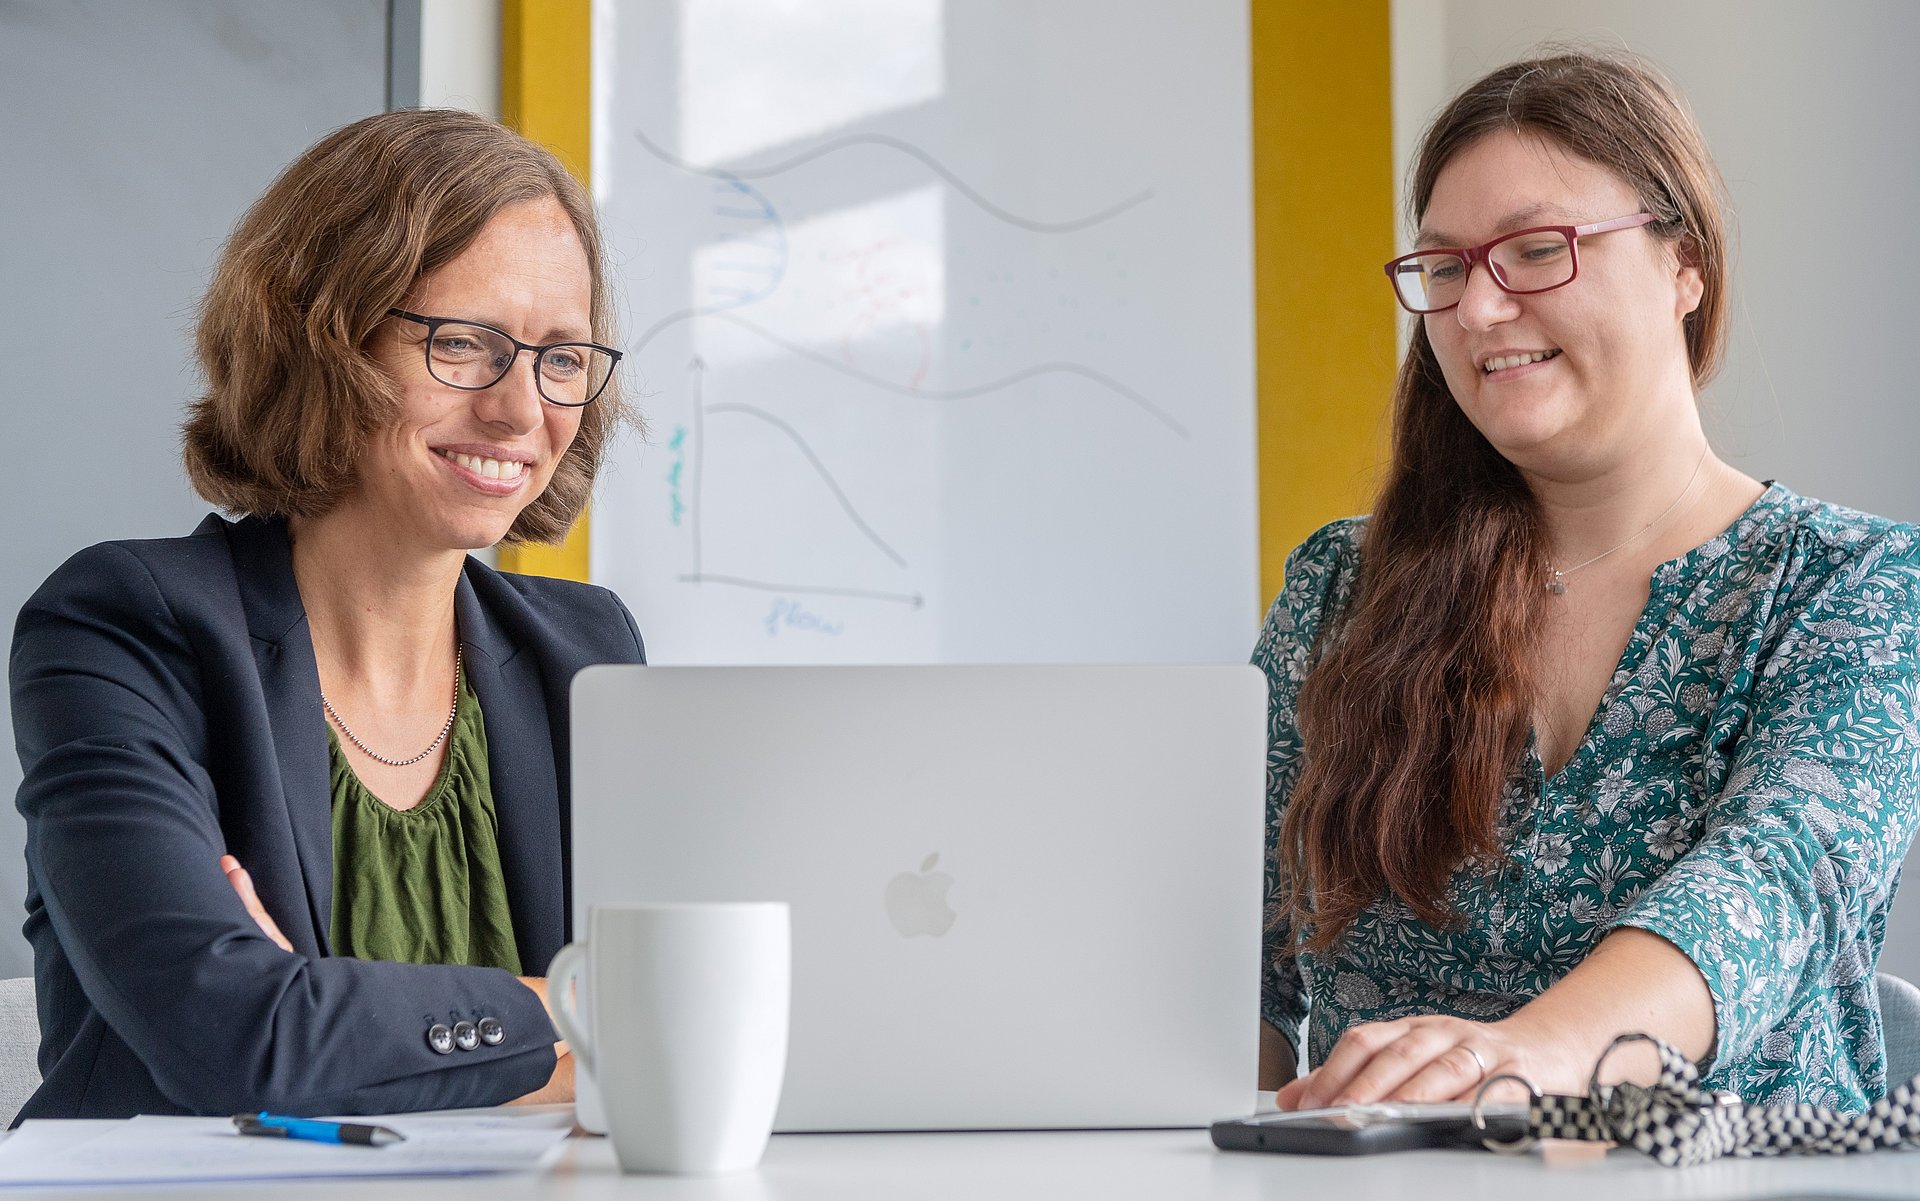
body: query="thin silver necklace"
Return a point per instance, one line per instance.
(439, 738)
(1557, 580)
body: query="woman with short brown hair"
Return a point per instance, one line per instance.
(1583, 731)
(307, 281)
(296, 785)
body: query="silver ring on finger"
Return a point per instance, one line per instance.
(1477, 1060)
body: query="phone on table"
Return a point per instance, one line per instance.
(1368, 1129)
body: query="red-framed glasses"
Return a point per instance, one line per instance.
(1523, 262)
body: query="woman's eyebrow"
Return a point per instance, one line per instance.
(554, 333)
(1519, 218)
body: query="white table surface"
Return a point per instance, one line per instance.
(1110, 1166)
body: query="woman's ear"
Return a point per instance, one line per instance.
(1689, 283)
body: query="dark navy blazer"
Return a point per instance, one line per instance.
(166, 708)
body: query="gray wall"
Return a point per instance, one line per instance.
(1813, 112)
(134, 135)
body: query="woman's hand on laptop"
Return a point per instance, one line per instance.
(1634, 980)
(1427, 1058)
(243, 885)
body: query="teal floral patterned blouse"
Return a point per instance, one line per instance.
(1747, 791)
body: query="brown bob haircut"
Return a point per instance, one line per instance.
(307, 278)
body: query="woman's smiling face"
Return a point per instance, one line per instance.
(1562, 382)
(457, 467)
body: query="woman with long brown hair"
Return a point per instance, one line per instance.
(1583, 731)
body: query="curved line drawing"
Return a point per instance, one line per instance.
(913, 599)
(911, 151)
(886, 385)
(818, 466)
(763, 230)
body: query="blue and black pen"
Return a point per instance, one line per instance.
(273, 1125)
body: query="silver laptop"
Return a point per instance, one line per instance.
(1023, 897)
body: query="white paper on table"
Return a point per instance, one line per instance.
(37, 1140)
(153, 1150)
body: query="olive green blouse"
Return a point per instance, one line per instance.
(423, 885)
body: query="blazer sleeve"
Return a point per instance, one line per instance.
(124, 832)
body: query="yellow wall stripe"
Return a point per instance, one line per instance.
(546, 56)
(1323, 223)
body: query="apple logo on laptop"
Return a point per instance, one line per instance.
(917, 901)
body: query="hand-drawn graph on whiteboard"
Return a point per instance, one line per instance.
(940, 317)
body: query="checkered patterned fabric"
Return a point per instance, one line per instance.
(1679, 1123)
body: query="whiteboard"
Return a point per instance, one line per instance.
(941, 319)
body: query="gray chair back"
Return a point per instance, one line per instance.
(20, 1046)
(1900, 1018)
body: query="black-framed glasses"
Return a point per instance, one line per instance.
(1523, 262)
(473, 356)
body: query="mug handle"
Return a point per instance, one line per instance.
(562, 976)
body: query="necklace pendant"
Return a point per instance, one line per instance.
(1557, 584)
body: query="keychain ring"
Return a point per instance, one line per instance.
(1599, 1102)
(1593, 1081)
(1518, 1146)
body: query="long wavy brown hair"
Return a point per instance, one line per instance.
(1421, 697)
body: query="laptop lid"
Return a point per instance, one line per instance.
(1023, 897)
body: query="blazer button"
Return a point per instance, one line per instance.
(440, 1038)
(492, 1032)
(465, 1036)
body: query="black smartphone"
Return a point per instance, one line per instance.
(1366, 1129)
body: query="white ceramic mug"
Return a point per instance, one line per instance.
(588, 1113)
(687, 1038)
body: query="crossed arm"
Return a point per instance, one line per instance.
(559, 1087)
